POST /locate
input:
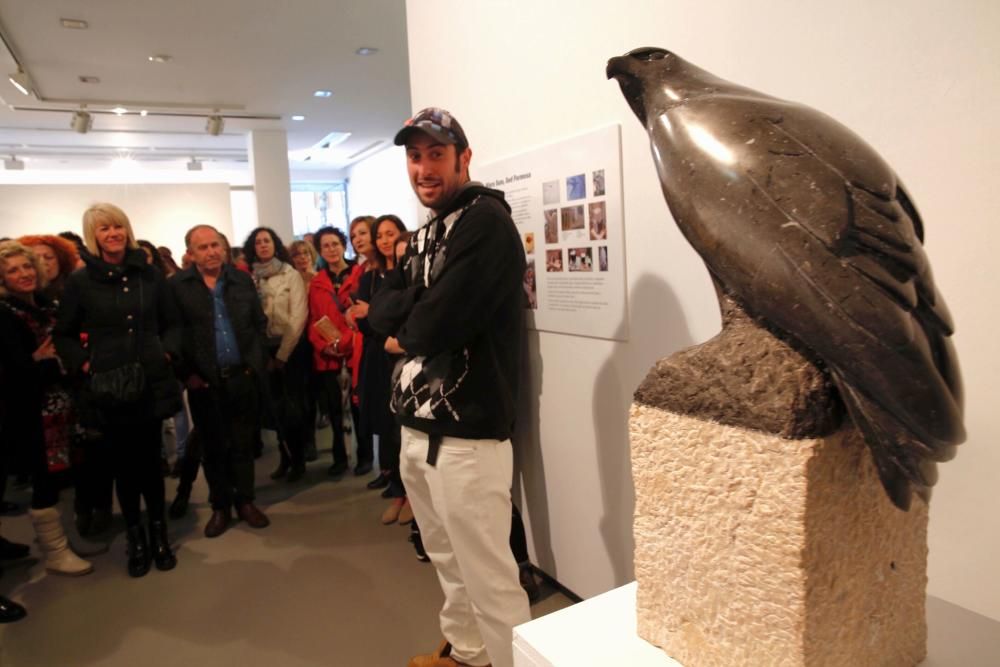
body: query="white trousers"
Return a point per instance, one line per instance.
(463, 507)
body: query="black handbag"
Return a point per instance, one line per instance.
(119, 386)
(124, 385)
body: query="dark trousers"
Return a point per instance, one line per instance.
(363, 435)
(93, 476)
(190, 462)
(134, 449)
(518, 540)
(334, 409)
(288, 398)
(223, 413)
(388, 459)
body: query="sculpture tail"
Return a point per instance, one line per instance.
(905, 464)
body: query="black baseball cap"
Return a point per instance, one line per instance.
(436, 123)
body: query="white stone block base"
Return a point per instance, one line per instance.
(756, 550)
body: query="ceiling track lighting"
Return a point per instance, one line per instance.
(88, 104)
(21, 81)
(13, 163)
(194, 165)
(81, 122)
(215, 125)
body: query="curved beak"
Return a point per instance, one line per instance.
(617, 66)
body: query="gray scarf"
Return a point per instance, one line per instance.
(265, 270)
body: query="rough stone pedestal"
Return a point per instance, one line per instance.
(752, 549)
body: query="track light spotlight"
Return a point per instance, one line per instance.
(194, 165)
(81, 122)
(214, 125)
(21, 81)
(13, 163)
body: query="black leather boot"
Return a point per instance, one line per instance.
(160, 546)
(10, 611)
(139, 559)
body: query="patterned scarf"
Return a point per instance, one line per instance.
(38, 319)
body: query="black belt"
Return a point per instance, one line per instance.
(433, 447)
(227, 372)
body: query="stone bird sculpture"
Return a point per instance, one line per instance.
(805, 227)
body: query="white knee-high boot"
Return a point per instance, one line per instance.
(59, 558)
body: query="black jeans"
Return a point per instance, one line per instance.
(335, 410)
(288, 398)
(93, 475)
(223, 414)
(135, 458)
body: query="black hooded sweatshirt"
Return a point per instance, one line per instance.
(455, 304)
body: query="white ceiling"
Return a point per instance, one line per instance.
(248, 58)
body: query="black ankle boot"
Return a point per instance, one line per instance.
(160, 546)
(139, 559)
(179, 507)
(528, 582)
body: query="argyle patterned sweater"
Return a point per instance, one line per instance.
(456, 306)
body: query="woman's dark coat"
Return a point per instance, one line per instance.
(23, 383)
(124, 310)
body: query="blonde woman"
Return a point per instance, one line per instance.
(304, 259)
(119, 301)
(31, 396)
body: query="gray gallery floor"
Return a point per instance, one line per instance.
(325, 584)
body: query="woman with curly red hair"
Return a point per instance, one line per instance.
(59, 259)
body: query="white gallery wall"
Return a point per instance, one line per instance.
(380, 185)
(919, 80)
(159, 212)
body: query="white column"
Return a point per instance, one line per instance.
(268, 152)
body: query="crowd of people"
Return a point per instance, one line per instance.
(116, 360)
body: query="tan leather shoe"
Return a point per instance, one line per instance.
(439, 658)
(391, 513)
(405, 513)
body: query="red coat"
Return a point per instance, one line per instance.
(348, 288)
(324, 300)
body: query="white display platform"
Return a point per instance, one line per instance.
(598, 631)
(601, 631)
